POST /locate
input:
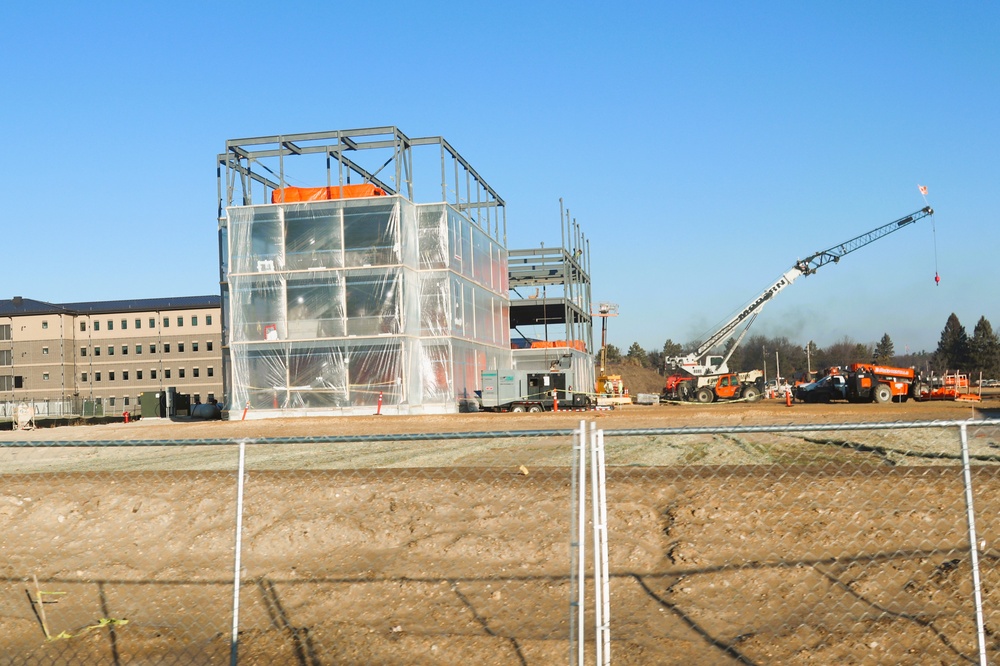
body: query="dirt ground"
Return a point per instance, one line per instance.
(779, 548)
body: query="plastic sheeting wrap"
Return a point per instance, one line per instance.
(334, 305)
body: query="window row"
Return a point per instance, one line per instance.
(165, 347)
(195, 399)
(138, 323)
(125, 375)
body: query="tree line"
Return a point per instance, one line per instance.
(956, 351)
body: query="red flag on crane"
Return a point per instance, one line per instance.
(923, 189)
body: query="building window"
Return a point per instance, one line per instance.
(111, 402)
(180, 321)
(138, 349)
(45, 376)
(194, 320)
(152, 322)
(83, 351)
(83, 376)
(210, 371)
(111, 350)
(211, 397)
(194, 346)
(180, 373)
(111, 376)
(208, 346)
(124, 350)
(124, 324)
(97, 351)
(97, 325)
(166, 373)
(152, 348)
(45, 324)
(111, 325)
(4, 331)
(138, 324)
(6, 383)
(166, 347)
(166, 322)
(6, 357)
(194, 372)
(138, 374)
(45, 351)
(152, 374)
(125, 375)
(208, 320)
(83, 327)
(197, 398)
(97, 376)
(126, 397)
(180, 347)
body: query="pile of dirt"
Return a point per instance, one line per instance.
(637, 379)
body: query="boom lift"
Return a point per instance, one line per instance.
(701, 368)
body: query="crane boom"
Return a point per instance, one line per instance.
(695, 362)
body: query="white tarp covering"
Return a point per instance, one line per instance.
(334, 305)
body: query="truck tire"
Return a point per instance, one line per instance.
(751, 394)
(518, 408)
(535, 408)
(881, 394)
(704, 395)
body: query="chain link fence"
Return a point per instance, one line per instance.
(743, 545)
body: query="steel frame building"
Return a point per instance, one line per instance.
(343, 305)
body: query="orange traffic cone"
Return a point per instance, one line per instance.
(788, 398)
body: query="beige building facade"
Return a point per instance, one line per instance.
(97, 358)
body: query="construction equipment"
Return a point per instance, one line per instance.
(950, 387)
(700, 364)
(522, 391)
(730, 386)
(609, 385)
(861, 382)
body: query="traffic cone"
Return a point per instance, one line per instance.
(788, 398)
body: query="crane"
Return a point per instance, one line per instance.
(699, 364)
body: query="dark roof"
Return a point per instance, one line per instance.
(27, 306)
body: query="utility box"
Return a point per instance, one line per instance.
(153, 404)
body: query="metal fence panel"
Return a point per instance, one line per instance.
(832, 544)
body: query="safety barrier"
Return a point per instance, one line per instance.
(861, 543)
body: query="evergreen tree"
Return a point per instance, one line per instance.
(953, 348)
(671, 348)
(884, 350)
(612, 353)
(636, 356)
(984, 351)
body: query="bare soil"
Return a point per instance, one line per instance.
(801, 548)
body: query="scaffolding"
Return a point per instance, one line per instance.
(341, 299)
(550, 307)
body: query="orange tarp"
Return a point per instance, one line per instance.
(293, 194)
(555, 344)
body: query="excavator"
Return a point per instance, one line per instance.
(699, 369)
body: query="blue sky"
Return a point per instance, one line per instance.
(703, 148)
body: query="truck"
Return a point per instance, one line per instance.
(730, 386)
(861, 382)
(523, 391)
(705, 367)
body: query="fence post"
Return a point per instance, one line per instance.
(578, 521)
(598, 497)
(973, 545)
(237, 565)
